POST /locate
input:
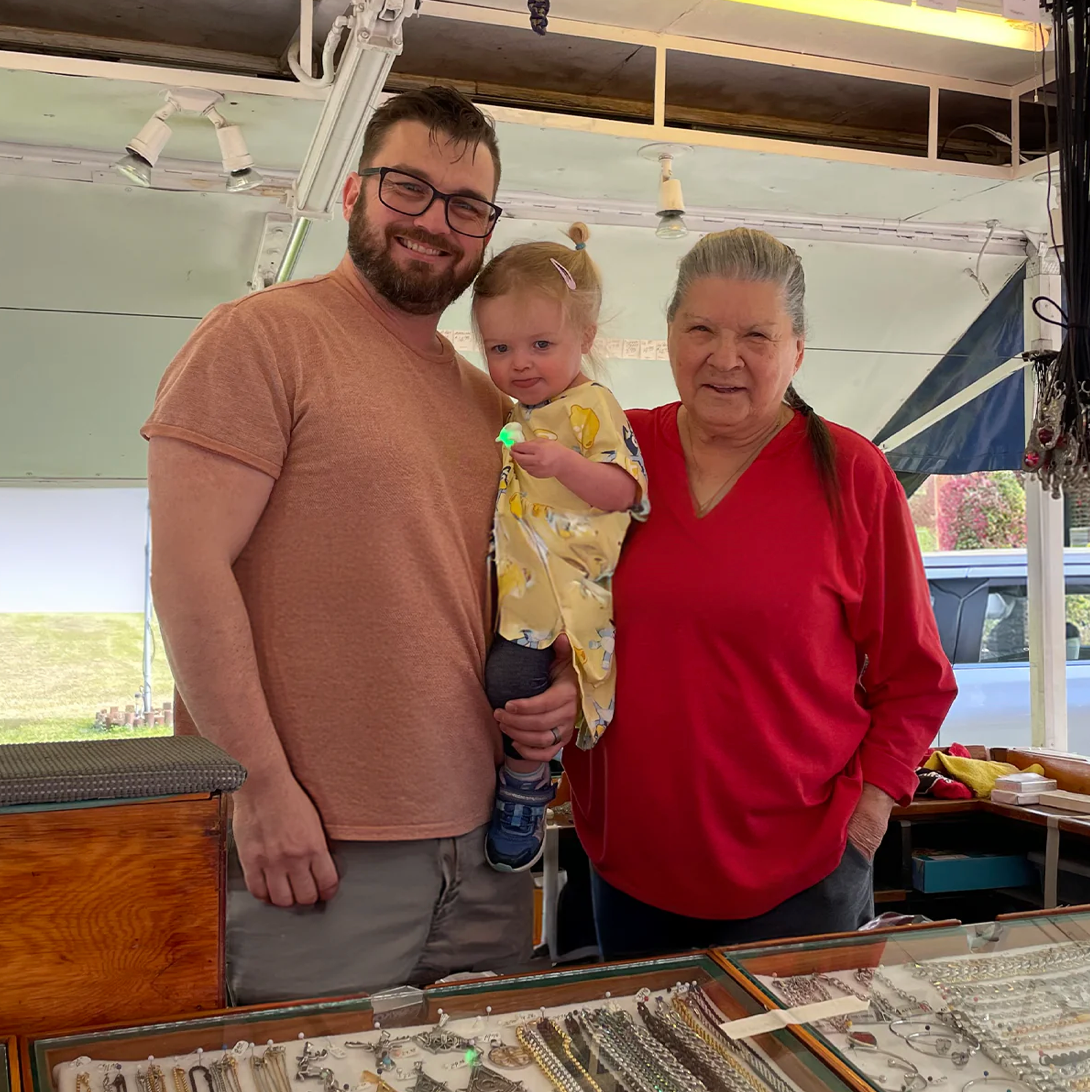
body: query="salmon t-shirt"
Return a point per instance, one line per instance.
(366, 578)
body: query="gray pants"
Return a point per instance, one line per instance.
(405, 913)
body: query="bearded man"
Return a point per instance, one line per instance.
(322, 471)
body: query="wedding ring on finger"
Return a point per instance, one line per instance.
(556, 736)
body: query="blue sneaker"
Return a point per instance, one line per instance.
(516, 835)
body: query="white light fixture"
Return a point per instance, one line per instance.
(143, 151)
(374, 40)
(236, 158)
(671, 204)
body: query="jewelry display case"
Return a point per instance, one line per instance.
(1000, 1007)
(646, 1026)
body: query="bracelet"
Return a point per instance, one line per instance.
(589, 1057)
(551, 1066)
(1008, 1084)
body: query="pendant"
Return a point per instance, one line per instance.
(510, 1057)
(484, 1079)
(424, 1083)
(374, 1081)
(436, 1041)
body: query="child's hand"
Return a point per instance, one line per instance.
(543, 458)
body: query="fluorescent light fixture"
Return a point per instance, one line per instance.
(374, 40)
(966, 26)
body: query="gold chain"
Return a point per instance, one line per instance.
(565, 1038)
(180, 1085)
(548, 1065)
(157, 1081)
(83, 1082)
(698, 1028)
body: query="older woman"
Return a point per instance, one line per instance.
(779, 670)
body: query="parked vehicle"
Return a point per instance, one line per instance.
(979, 599)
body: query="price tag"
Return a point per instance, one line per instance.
(1024, 11)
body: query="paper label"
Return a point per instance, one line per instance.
(1024, 11)
(777, 1019)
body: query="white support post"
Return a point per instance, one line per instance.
(1045, 541)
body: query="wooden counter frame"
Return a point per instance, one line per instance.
(331, 1016)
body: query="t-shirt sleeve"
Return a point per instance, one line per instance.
(224, 392)
(907, 680)
(601, 427)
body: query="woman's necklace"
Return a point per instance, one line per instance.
(695, 470)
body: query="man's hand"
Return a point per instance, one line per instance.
(281, 844)
(867, 826)
(543, 458)
(539, 727)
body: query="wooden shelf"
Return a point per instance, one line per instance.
(890, 895)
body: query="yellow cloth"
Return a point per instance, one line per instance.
(978, 773)
(555, 555)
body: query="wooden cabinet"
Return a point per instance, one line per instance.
(112, 912)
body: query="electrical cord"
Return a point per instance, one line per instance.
(1001, 137)
(1058, 451)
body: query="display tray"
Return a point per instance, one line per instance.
(1003, 1006)
(481, 1036)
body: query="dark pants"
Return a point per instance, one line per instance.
(841, 903)
(515, 671)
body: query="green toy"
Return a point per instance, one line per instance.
(511, 434)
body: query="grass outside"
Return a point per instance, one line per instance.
(58, 670)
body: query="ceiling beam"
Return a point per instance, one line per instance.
(895, 142)
(135, 51)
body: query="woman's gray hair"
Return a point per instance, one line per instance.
(743, 254)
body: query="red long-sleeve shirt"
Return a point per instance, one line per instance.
(742, 736)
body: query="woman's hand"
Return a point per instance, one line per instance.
(539, 727)
(867, 826)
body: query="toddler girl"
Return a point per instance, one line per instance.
(571, 482)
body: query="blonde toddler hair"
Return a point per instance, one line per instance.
(528, 267)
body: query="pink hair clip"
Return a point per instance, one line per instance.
(569, 280)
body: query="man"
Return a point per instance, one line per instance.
(322, 473)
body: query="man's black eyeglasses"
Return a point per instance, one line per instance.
(405, 193)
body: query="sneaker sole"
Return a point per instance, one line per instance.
(521, 868)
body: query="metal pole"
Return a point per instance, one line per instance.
(147, 615)
(295, 246)
(1047, 606)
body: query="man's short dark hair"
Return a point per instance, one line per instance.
(446, 112)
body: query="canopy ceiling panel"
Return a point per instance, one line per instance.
(161, 260)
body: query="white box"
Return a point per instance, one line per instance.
(1005, 796)
(1025, 782)
(1066, 801)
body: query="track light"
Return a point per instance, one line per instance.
(671, 205)
(144, 149)
(237, 161)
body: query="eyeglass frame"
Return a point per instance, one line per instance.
(382, 172)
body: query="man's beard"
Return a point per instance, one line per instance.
(417, 289)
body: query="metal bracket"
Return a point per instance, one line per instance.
(270, 251)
